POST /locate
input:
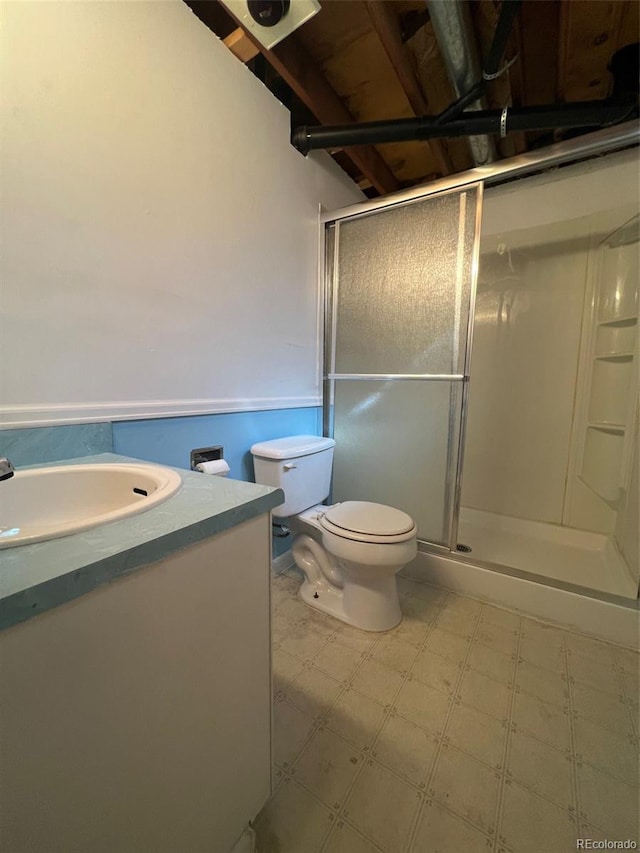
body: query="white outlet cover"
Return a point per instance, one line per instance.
(299, 12)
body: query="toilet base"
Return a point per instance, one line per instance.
(367, 609)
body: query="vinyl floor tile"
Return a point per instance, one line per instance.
(543, 769)
(291, 728)
(445, 734)
(406, 748)
(423, 706)
(313, 691)
(614, 755)
(293, 821)
(344, 839)
(337, 660)
(394, 653)
(497, 616)
(383, 807)
(356, 718)
(543, 720)
(545, 685)
(609, 804)
(603, 709)
(490, 662)
(440, 831)
(436, 671)
(481, 735)
(531, 824)
(484, 694)
(467, 788)
(377, 681)
(327, 766)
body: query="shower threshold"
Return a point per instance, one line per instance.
(563, 554)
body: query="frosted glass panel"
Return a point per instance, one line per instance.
(403, 287)
(392, 444)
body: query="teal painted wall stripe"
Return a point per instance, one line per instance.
(169, 441)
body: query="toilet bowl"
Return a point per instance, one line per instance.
(354, 579)
(349, 553)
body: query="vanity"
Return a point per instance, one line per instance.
(135, 677)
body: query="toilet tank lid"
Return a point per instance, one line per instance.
(292, 446)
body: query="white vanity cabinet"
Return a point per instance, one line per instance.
(136, 718)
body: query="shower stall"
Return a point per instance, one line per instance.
(481, 363)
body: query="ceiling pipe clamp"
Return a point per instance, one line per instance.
(503, 123)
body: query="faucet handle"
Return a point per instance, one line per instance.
(6, 468)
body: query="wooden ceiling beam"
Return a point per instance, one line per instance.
(309, 84)
(387, 27)
(314, 91)
(240, 46)
(590, 33)
(538, 30)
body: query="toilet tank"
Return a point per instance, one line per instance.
(300, 465)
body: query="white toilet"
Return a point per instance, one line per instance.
(350, 552)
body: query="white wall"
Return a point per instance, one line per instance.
(160, 233)
(533, 274)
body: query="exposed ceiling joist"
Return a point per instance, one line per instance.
(372, 61)
(389, 32)
(240, 45)
(312, 88)
(589, 35)
(315, 92)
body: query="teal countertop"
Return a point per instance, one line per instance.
(38, 577)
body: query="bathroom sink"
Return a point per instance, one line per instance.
(45, 503)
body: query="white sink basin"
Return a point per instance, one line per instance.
(45, 503)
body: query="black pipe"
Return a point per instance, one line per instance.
(472, 123)
(508, 14)
(457, 107)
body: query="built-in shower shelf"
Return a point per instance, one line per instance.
(616, 428)
(615, 340)
(614, 356)
(610, 386)
(619, 321)
(611, 380)
(602, 460)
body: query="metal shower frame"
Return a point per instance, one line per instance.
(591, 145)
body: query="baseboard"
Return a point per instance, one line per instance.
(282, 563)
(605, 620)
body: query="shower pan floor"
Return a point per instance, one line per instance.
(564, 554)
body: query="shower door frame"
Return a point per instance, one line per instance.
(590, 145)
(456, 420)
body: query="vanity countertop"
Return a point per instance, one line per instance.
(38, 577)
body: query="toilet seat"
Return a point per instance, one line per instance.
(365, 521)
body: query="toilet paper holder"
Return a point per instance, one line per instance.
(206, 454)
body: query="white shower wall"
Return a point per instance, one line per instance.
(523, 378)
(533, 279)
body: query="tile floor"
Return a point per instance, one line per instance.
(467, 728)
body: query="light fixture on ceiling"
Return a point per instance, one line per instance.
(269, 21)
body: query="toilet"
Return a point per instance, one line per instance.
(350, 552)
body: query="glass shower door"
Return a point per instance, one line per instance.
(400, 290)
